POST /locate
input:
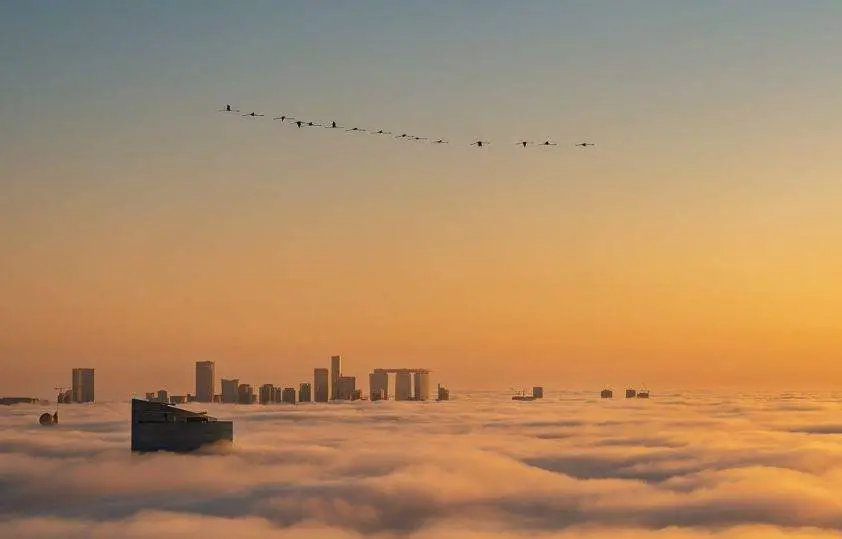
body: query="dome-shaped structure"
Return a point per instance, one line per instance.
(46, 419)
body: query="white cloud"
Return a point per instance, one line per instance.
(674, 467)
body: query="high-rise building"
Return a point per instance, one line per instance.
(335, 374)
(83, 385)
(403, 386)
(245, 394)
(321, 385)
(205, 379)
(443, 393)
(266, 394)
(163, 396)
(422, 385)
(150, 396)
(345, 388)
(538, 392)
(288, 395)
(305, 393)
(378, 384)
(229, 390)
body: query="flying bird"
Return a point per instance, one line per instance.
(228, 109)
(284, 118)
(585, 144)
(311, 124)
(403, 136)
(356, 129)
(440, 141)
(253, 114)
(381, 132)
(334, 126)
(480, 143)
(524, 143)
(299, 123)
(548, 143)
(419, 138)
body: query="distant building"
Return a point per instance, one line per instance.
(346, 387)
(151, 396)
(229, 391)
(288, 395)
(606, 394)
(443, 393)
(538, 392)
(403, 386)
(65, 397)
(305, 393)
(378, 383)
(205, 378)
(245, 394)
(8, 401)
(266, 394)
(335, 375)
(631, 393)
(163, 396)
(422, 385)
(357, 395)
(178, 399)
(321, 385)
(82, 386)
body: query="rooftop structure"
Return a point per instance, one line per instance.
(157, 426)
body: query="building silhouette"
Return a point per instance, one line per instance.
(335, 374)
(378, 383)
(403, 386)
(205, 378)
(422, 385)
(229, 390)
(304, 393)
(288, 395)
(321, 385)
(443, 393)
(346, 387)
(245, 394)
(266, 394)
(82, 386)
(537, 392)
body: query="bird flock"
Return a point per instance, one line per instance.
(302, 124)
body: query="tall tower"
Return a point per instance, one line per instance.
(321, 384)
(205, 379)
(82, 387)
(403, 385)
(422, 385)
(335, 374)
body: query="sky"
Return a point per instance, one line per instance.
(694, 246)
(694, 465)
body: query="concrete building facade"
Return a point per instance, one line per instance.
(422, 385)
(403, 386)
(378, 383)
(346, 387)
(288, 395)
(305, 393)
(229, 391)
(335, 374)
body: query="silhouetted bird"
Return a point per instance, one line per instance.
(299, 123)
(403, 136)
(548, 143)
(356, 129)
(311, 124)
(228, 109)
(419, 138)
(381, 132)
(524, 143)
(585, 144)
(253, 114)
(284, 118)
(480, 143)
(440, 141)
(334, 126)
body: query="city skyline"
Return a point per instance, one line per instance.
(692, 247)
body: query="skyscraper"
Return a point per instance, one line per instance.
(422, 386)
(229, 391)
(266, 394)
(403, 386)
(345, 388)
(205, 379)
(335, 374)
(378, 383)
(82, 387)
(304, 391)
(321, 385)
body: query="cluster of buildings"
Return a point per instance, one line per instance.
(329, 384)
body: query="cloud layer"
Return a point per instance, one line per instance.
(570, 466)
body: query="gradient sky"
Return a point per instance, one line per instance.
(698, 245)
